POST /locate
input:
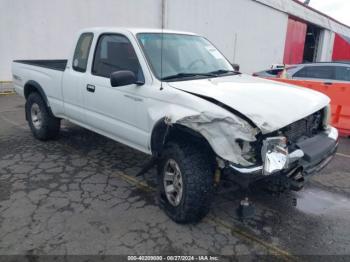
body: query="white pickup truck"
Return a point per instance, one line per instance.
(174, 96)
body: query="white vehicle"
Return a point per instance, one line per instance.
(174, 96)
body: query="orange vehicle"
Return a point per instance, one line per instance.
(332, 79)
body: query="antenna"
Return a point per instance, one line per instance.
(161, 45)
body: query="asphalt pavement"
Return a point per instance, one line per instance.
(78, 195)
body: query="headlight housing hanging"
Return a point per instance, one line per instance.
(274, 154)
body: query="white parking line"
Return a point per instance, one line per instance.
(12, 122)
(343, 155)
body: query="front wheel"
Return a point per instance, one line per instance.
(43, 124)
(185, 182)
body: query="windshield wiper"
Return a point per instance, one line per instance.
(224, 71)
(209, 74)
(180, 75)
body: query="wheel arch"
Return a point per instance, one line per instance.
(163, 132)
(33, 86)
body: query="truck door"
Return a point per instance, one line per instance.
(115, 111)
(73, 83)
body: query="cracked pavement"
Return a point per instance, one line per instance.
(78, 195)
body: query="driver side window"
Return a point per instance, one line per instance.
(115, 53)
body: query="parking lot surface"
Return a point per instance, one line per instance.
(79, 195)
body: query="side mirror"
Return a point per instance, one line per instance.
(235, 67)
(123, 78)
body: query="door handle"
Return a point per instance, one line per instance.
(90, 88)
(328, 83)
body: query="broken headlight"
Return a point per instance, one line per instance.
(274, 154)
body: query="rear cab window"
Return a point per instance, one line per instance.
(81, 52)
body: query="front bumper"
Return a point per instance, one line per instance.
(316, 153)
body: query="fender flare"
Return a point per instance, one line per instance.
(158, 136)
(33, 86)
(162, 131)
(37, 87)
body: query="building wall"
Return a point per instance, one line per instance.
(248, 32)
(42, 29)
(294, 8)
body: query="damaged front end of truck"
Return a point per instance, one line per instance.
(246, 152)
(282, 158)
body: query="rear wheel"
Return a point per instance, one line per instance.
(42, 123)
(185, 182)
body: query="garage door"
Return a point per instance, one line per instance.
(295, 41)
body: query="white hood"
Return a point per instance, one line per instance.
(270, 105)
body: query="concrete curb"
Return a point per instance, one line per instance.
(6, 87)
(7, 93)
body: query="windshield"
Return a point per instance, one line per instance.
(183, 56)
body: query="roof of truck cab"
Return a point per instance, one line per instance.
(133, 30)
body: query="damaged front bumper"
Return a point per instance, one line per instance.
(307, 156)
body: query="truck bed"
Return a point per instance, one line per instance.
(56, 64)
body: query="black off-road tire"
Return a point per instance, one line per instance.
(197, 171)
(50, 125)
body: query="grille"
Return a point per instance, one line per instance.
(303, 128)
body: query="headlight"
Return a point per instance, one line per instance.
(274, 154)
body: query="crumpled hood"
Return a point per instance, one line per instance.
(268, 104)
